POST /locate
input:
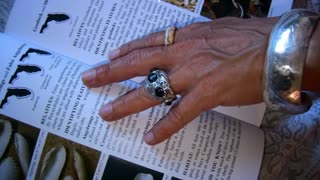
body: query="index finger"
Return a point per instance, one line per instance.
(154, 39)
(151, 40)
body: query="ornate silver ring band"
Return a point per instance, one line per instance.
(158, 86)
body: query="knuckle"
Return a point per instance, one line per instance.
(132, 59)
(143, 97)
(119, 107)
(102, 72)
(129, 47)
(148, 41)
(124, 48)
(205, 40)
(176, 117)
(181, 46)
(161, 131)
(161, 52)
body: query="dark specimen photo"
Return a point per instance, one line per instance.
(117, 168)
(17, 144)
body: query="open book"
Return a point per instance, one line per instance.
(56, 127)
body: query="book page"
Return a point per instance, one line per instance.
(252, 114)
(5, 9)
(88, 30)
(191, 5)
(278, 7)
(43, 89)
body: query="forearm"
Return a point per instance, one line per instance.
(311, 73)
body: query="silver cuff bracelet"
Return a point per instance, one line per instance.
(285, 57)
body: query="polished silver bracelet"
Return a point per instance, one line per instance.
(284, 62)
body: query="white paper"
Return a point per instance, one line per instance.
(88, 30)
(252, 114)
(278, 7)
(5, 9)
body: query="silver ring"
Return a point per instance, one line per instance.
(158, 86)
(169, 35)
(285, 57)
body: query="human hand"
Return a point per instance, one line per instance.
(210, 64)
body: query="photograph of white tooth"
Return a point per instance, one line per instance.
(68, 178)
(79, 165)
(53, 163)
(5, 134)
(9, 169)
(23, 152)
(143, 176)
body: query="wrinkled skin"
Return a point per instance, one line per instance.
(210, 64)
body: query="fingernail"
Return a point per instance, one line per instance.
(106, 112)
(149, 138)
(114, 54)
(89, 76)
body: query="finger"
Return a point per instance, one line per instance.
(151, 40)
(138, 100)
(198, 100)
(130, 103)
(137, 63)
(179, 116)
(154, 39)
(140, 62)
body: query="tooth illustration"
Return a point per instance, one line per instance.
(143, 176)
(23, 151)
(79, 165)
(9, 169)
(53, 163)
(68, 178)
(5, 134)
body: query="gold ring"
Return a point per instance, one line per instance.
(169, 35)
